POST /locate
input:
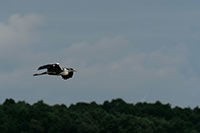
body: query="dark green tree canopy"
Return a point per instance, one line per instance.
(115, 116)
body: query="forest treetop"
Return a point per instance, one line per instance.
(111, 116)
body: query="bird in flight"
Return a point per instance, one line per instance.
(56, 69)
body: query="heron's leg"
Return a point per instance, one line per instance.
(37, 74)
(52, 73)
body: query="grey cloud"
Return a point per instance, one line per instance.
(18, 29)
(16, 36)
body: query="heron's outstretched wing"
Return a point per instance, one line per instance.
(51, 67)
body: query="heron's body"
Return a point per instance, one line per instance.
(56, 69)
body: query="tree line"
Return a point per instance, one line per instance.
(114, 116)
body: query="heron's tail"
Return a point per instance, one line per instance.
(37, 74)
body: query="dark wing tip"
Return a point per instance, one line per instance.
(44, 67)
(41, 67)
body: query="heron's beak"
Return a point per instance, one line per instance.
(74, 71)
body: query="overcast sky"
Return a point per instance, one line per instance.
(137, 50)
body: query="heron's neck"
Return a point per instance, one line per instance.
(64, 72)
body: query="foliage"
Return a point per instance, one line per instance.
(115, 116)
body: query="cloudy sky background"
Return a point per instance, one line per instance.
(136, 50)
